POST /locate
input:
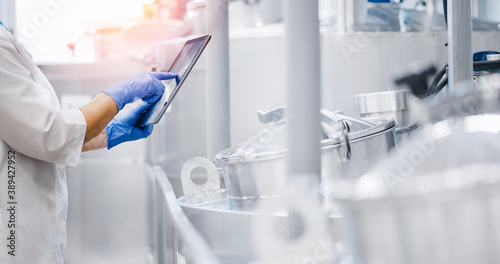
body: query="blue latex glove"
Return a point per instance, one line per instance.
(145, 86)
(122, 128)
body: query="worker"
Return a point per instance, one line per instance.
(38, 140)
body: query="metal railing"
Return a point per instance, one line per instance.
(177, 240)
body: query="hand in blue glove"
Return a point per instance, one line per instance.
(145, 86)
(122, 128)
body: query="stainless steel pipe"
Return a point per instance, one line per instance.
(303, 84)
(459, 44)
(217, 77)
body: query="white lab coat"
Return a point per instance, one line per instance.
(45, 140)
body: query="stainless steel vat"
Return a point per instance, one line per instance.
(231, 227)
(258, 166)
(175, 238)
(387, 104)
(437, 201)
(450, 216)
(239, 230)
(225, 225)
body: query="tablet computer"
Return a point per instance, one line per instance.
(182, 65)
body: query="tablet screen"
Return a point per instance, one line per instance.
(182, 65)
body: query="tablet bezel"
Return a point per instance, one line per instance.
(205, 39)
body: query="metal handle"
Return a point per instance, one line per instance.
(277, 114)
(407, 129)
(345, 141)
(268, 116)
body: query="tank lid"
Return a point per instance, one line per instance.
(387, 101)
(272, 141)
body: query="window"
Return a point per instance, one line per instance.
(46, 27)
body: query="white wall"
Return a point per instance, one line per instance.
(489, 10)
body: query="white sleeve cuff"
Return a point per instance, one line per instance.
(76, 128)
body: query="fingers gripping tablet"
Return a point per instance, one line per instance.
(182, 65)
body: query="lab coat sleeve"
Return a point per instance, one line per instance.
(29, 122)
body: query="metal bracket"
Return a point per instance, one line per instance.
(191, 188)
(274, 115)
(345, 153)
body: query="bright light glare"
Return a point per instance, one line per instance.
(53, 24)
(102, 13)
(440, 130)
(483, 123)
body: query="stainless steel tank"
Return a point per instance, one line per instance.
(233, 227)
(349, 146)
(435, 202)
(394, 104)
